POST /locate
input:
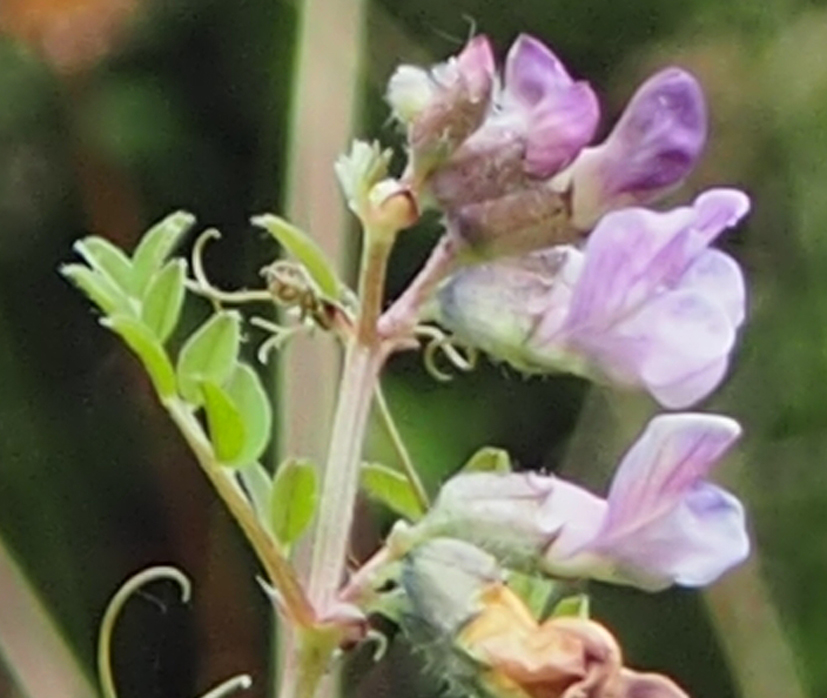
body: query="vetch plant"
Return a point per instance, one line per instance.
(550, 262)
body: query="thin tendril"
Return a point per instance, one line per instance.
(401, 450)
(110, 618)
(238, 683)
(280, 336)
(113, 610)
(453, 351)
(381, 642)
(202, 285)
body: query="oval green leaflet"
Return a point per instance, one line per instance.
(209, 355)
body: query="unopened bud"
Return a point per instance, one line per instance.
(391, 206)
(441, 107)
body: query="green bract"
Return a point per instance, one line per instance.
(488, 460)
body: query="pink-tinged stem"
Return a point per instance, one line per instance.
(401, 318)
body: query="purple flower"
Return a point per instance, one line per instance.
(540, 120)
(654, 306)
(652, 148)
(662, 523)
(646, 304)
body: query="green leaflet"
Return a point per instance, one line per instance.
(156, 245)
(109, 260)
(391, 488)
(149, 350)
(209, 354)
(226, 425)
(301, 246)
(249, 398)
(100, 289)
(294, 499)
(164, 298)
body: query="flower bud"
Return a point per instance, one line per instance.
(494, 188)
(442, 579)
(441, 107)
(652, 148)
(540, 121)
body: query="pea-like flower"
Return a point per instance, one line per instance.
(539, 121)
(482, 639)
(662, 522)
(646, 304)
(508, 162)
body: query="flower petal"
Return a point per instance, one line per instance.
(665, 523)
(678, 336)
(532, 72)
(652, 148)
(692, 544)
(661, 132)
(622, 265)
(674, 452)
(653, 306)
(718, 276)
(559, 114)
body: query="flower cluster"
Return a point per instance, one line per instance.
(643, 302)
(559, 266)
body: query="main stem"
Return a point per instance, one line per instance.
(363, 361)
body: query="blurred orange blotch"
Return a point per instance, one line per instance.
(71, 34)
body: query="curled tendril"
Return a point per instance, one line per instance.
(202, 285)
(279, 336)
(110, 618)
(238, 683)
(380, 640)
(460, 356)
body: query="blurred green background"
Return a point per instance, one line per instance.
(114, 112)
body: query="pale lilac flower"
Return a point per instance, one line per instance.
(645, 305)
(662, 523)
(652, 148)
